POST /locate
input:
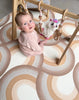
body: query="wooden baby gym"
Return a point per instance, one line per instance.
(42, 5)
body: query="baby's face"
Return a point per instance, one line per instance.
(26, 23)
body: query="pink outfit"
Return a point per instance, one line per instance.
(29, 43)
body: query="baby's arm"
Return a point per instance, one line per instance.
(42, 42)
(39, 41)
(21, 40)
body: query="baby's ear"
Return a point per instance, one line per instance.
(19, 28)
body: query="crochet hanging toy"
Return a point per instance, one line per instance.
(48, 29)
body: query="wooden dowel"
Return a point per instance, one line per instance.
(58, 10)
(71, 39)
(64, 14)
(14, 34)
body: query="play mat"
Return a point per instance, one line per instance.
(39, 77)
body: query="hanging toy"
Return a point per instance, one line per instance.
(58, 32)
(49, 28)
(22, 7)
(53, 24)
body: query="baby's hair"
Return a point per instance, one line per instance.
(20, 12)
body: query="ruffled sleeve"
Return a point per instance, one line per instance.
(22, 40)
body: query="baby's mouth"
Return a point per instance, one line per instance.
(30, 27)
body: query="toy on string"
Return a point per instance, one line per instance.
(58, 33)
(46, 30)
(43, 29)
(51, 27)
(41, 19)
(22, 8)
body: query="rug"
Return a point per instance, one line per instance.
(39, 77)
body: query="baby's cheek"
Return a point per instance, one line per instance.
(33, 25)
(25, 28)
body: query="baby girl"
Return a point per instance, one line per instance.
(29, 41)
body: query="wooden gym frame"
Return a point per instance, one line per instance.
(48, 7)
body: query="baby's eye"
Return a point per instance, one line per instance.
(30, 21)
(25, 23)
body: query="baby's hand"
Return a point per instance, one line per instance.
(42, 42)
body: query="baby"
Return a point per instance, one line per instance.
(29, 41)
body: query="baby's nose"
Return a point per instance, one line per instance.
(29, 24)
